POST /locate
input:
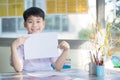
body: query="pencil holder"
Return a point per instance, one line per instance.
(99, 70)
(92, 68)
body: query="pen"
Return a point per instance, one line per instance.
(91, 57)
(96, 59)
(101, 61)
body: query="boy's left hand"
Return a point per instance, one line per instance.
(64, 45)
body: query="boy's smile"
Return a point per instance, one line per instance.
(34, 24)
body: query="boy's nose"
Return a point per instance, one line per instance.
(34, 25)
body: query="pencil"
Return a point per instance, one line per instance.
(91, 57)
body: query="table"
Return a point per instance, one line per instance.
(67, 74)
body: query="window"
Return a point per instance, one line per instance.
(58, 23)
(8, 26)
(113, 15)
(68, 23)
(12, 25)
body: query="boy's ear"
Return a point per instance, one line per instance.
(44, 23)
(24, 24)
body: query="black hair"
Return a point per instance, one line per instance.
(34, 11)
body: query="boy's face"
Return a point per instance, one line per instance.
(34, 24)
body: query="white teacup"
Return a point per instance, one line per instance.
(91, 68)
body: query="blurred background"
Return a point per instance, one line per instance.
(74, 20)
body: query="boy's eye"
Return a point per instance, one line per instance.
(29, 21)
(38, 21)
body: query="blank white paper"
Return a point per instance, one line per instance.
(42, 45)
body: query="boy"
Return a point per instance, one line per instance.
(34, 22)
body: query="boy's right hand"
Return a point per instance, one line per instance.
(19, 41)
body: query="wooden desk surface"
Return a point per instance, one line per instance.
(68, 74)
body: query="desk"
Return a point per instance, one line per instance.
(68, 74)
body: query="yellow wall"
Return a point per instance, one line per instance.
(11, 7)
(66, 6)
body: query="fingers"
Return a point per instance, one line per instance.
(64, 45)
(19, 41)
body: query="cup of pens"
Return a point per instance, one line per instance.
(92, 65)
(92, 68)
(100, 68)
(99, 64)
(100, 71)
